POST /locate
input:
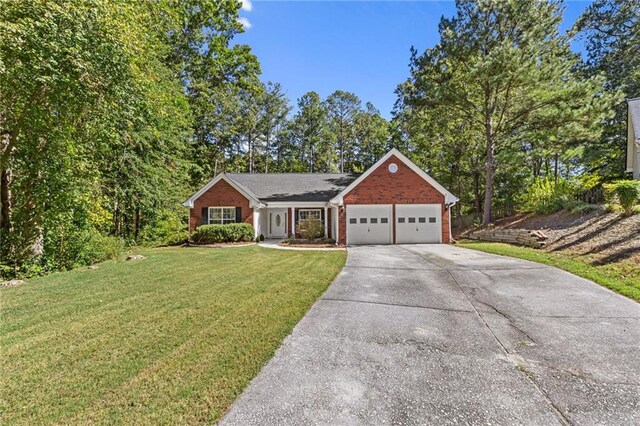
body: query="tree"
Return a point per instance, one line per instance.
(611, 30)
(342, 108)
(310, 134)
(503, 70)
(275, 107)
(96, 101)
(371, 137)
(59, 63)
(212, 70)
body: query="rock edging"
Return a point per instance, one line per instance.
(524, 237)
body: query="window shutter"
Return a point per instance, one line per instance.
(322, 215)
(238, 214)
(205, 215)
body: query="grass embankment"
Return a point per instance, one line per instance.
(622, 277)
(170, 339)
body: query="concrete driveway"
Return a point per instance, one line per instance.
(436, 334)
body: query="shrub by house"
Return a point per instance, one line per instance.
(229, 233)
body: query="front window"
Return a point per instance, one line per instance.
(222, 215)
(306, 214)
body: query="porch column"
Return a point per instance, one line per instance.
(326, 220)
(256, 223)
(338, 225)
(293, 222)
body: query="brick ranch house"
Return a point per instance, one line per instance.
(393, 202)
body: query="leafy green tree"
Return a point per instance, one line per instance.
(611, 31)
(212, 70)
(503, 70)
(59, 63)
(342, 108)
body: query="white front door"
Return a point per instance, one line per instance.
(277, 223)
(418, 223)
(369, 224)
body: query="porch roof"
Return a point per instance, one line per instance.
(294, 186)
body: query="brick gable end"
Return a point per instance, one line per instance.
(403, 187)
(220, 195)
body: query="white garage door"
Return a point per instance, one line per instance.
(369, 224)
(418, 223)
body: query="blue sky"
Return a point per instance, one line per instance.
(357, 46)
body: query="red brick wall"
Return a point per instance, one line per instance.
(219, 195)
(403, 187)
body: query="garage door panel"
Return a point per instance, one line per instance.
(369, 224)
(418, 223)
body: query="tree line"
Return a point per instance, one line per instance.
(112, 113)
(502, 101)
(261, 132)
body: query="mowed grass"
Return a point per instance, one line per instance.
(171, 339)
(622, 277)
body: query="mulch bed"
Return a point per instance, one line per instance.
(221, 245)
(310, 245)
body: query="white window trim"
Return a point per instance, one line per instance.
(222, 208)
(319, 211)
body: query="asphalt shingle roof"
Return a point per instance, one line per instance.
(294, 186)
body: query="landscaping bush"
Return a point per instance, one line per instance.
(169, 229)
(623, 192)
(545, 196)
(98, 248)
(581, 208)
(229, 233)
(311, 228)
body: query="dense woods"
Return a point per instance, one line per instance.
(112, 113)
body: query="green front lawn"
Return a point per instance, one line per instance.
(622, 277)
(170, 339)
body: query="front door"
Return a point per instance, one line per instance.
(278, 223)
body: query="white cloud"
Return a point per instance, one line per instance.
(245, 22)
(246, 5)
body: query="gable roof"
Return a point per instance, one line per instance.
(266, 187)
(449, 198)
(294, 186)
(262, 188)
(240, 188)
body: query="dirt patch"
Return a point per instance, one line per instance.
(609, 236)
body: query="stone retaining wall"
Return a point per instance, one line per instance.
(535, 239)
